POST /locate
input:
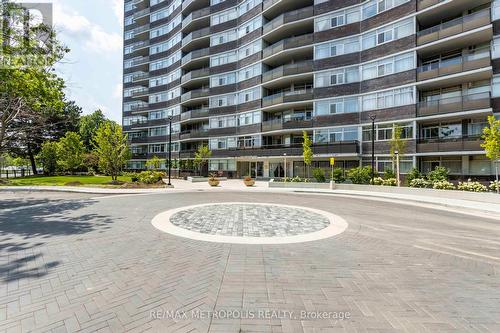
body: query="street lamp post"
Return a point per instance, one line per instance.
(169, 149)
(373, 117)
(397, 168)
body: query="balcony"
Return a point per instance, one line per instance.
(422, 4)
(140, 92)
(141, 13)
(196, 16)
(194, 114)
(454, 104)
(455, 65)
(195, 74)
(289, 43)
(194, 134)
(139, 139)
(459, 144)
(194, 55)
(288, 17)
(142, 76)
(454, 27)
(192, 36)
(140, 45)
(194, 94)
(285, 70)
(139, 61)
(342, 147)
(288, 97)
(139, 107)
(279, 124)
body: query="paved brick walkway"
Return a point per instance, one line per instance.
(70, 263)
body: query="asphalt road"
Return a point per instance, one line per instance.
(74, 262)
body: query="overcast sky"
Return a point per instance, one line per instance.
(92, 29)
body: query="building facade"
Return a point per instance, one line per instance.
(248, 77)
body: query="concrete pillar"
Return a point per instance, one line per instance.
(266, 168)
(465, 165)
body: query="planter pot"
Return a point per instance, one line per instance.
(250, 182)
(213, 182)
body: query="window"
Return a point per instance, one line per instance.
(340, 47)
(338, 134)
(249, 118)
(224, 37)
(250, 26)
(342, 76)
(247, 5)
(388, 33)
(249, 72)
(165, 79)
(249, 95)
(223, 79)
(166, 28)
(222, 59)
(222, 122)
(387, 99)
(337, 105)
(223, 100)
(337, 19)
(388, 66)
(249, 49)
(225, 16)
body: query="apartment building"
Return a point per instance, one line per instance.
(248, 77)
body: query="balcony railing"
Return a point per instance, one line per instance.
(195, 15)
(140, 45)
(139, 107)
(141, 29)
(193, 134)
(341, 147)
(195, 74)
(422, 4)
(288, 43)
(464, 143)
(294, 15)
(454, 27)
(193, 114)
(455, 65)
(269, 3)
(285, 70)
(140, 92)
(141, 13)
(286, 97)
(195, 55)
(198, 93)
(140, 61)
(454, 104)
(140, 77)
(204, 32)
(277, 124)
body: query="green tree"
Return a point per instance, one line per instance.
(201, 157)
(70, 152)
(89, 125)
(111, 146)
(30, 91)
(397, 143)
(154, 163)
(307, 152)
(491, 137)
(48, 156)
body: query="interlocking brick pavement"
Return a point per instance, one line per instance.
(70, 263)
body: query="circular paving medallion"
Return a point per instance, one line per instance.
(250, 223)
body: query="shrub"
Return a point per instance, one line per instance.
(413, 174)
(150, 177)
(443, 185)
(438, 174)
(388, 174)
(390, 182)
(419, 183)
(338, 175)
(319, 175)
(494, 185)
(378, 181)
(247, 178)
(471, 186)
(297, 179)
(360, 175)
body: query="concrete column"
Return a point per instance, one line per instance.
(465, 165)
(266, 168)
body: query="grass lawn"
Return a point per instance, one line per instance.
(62, 180)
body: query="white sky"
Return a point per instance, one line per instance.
(92, 29)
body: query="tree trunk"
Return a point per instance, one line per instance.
(32, 160)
